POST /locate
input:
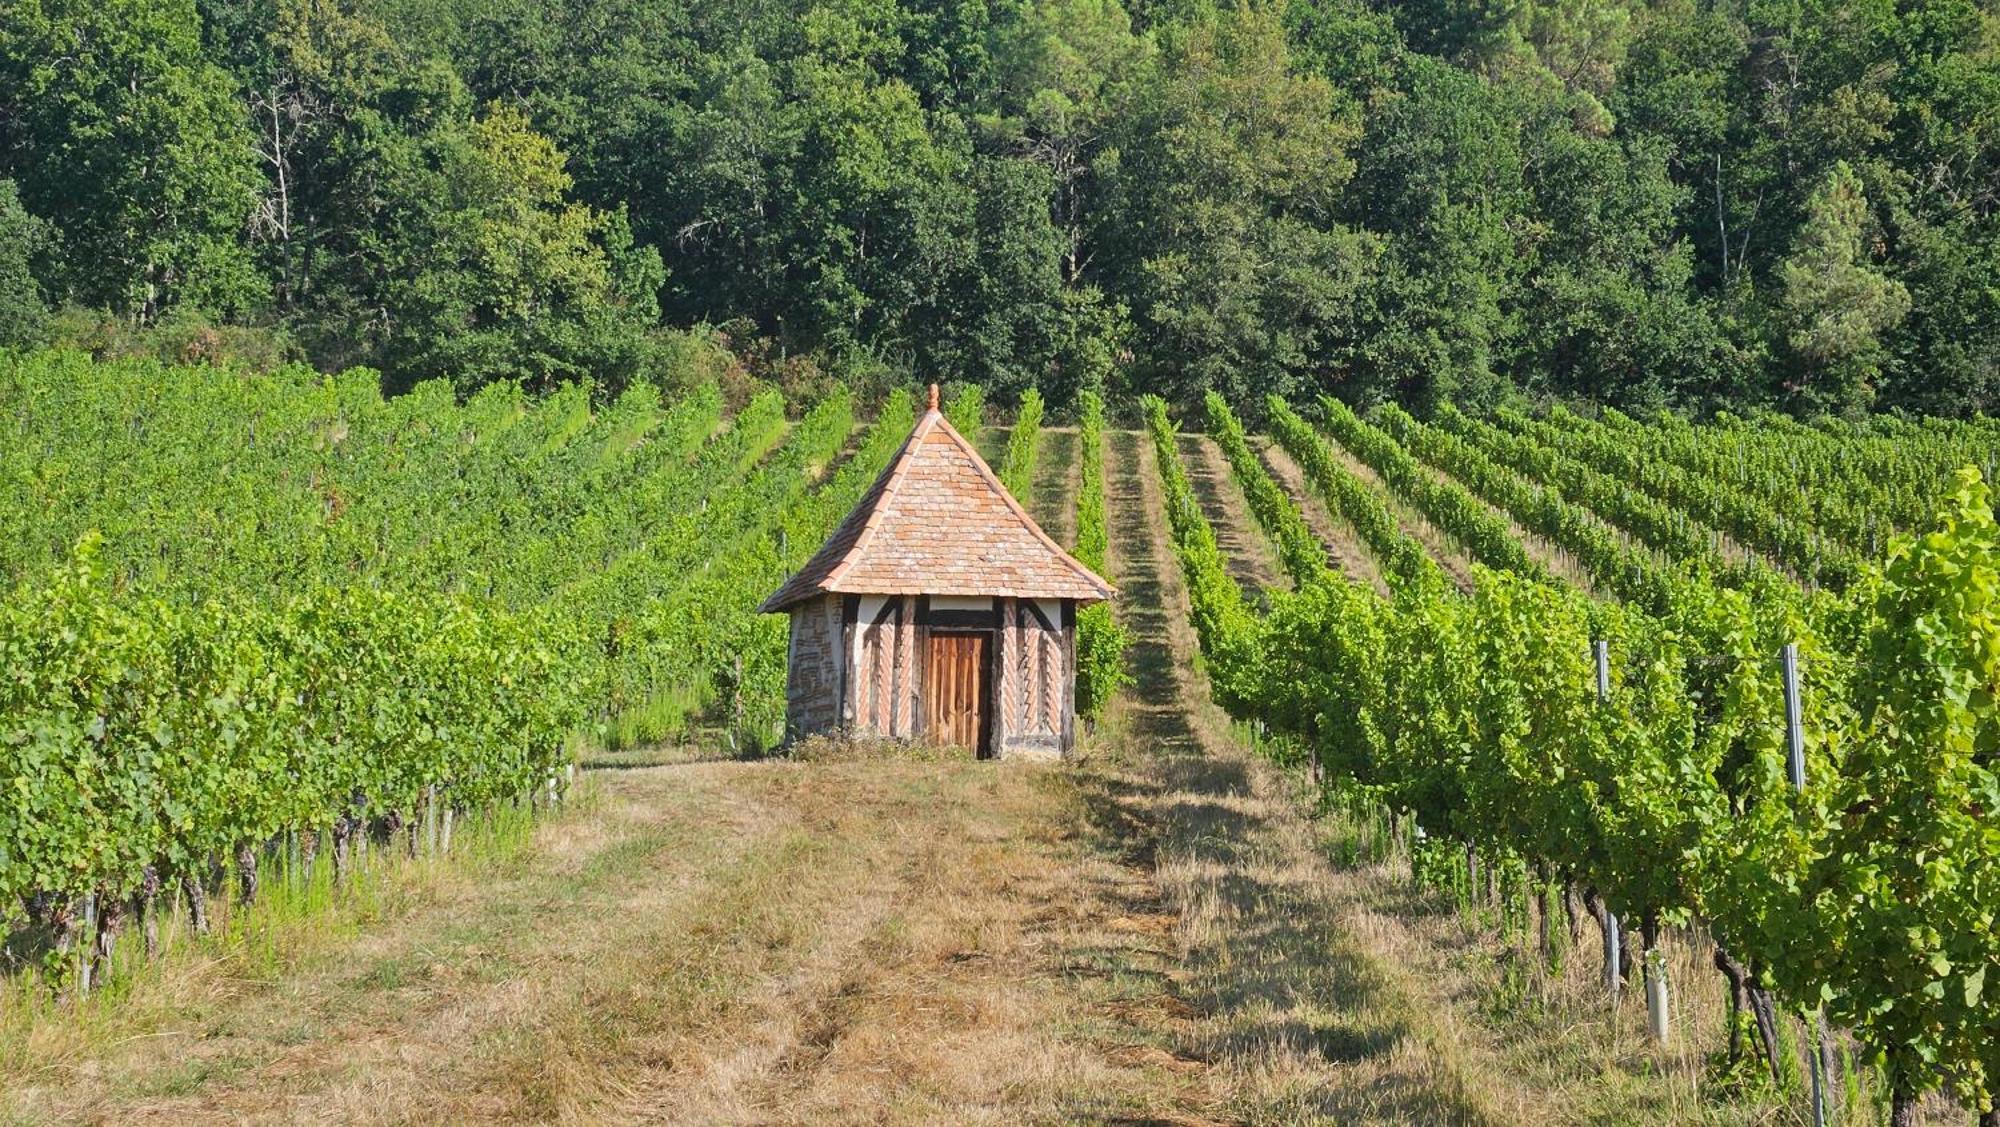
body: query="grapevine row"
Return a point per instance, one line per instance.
(1017, 465)
(1299, 550)
(1101, 640)
(1668, 795)
(1667, 530)
(1445, 502)
(1751, 520)
(1628, 574)
(1403, 559)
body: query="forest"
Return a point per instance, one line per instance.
(1695, 204)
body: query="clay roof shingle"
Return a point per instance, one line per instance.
(938, 522)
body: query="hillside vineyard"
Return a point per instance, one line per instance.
(246, 607)
(1736, 677)
(1631, 739)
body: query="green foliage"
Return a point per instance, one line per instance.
(1905, 876)
(1484, 535)
(1101, 640)
(1225, 191)
(1017, 467)
(21, 237)
(1835, 306)
(1223, 620)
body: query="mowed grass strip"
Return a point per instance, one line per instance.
(744, 942)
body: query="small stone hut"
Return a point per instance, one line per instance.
(938, 610)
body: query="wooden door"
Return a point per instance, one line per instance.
(956, 686)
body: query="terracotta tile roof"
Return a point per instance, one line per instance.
(938, 522)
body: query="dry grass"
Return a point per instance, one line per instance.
(870, 938)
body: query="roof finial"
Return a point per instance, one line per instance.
(934, 405)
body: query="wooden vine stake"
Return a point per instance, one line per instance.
(1795, 746)
(1656, 995)
(1601, 652)
(431, 819)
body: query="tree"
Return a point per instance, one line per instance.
(1441, 182)
(1347, 42)
(1835, 306)
(1946, 354)
(121, 130)
(490, 272)
(1069, 66)
(1220, 216)
(1003, 320)
(1609, 310)
(21, 238)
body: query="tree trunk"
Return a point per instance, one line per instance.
(246, 874)
(65, 920)
(1569, 912)
(1763, 1010)
(1539, 895)
(1902, 1098)
(343, 844)
(197, 898)
(1736, 1003)
(431, 820)
(110, 920)
(391, 824)
(148, 899)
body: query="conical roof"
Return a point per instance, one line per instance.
(938, 522)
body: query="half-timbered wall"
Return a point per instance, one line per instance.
(857, 662)
(885, 675)
(1035, 679)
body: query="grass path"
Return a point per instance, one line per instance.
(714, 942)
(1057, 477)
(1303, 1022)
(1253, 563)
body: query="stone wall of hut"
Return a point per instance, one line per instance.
(813, 667)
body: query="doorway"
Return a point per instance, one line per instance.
(957, 688)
